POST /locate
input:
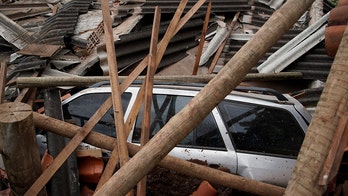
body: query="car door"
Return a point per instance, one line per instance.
(267, 140)
(204, 144)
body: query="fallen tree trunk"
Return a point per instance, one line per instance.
(199, 171)
(199, 107)
(331, 107)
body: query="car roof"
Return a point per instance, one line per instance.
(249, 91)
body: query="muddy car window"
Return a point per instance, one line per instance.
(206, 135)
(262, 129)
(79, 110)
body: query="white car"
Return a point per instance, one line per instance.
(254, 132)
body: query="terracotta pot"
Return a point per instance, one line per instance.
(333, 36)
(90, 169)
(342, 3)
(338, 16)
(205, 189)
(85, 191)
(46, 160)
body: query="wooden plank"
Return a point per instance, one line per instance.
(135, 110)
(109, 168)
(151, 70)
(3, 71)
(120, 152)
(89, 152)
(202, 39)
(337, 148)
(219, 51)
(32, 97)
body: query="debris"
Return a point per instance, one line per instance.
(295, 48)
(42, 50)
(215, 43)
(63, 43)
(13, 33)
(4, 184)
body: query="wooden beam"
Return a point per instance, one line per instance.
(45, 82)
(135, 110)
(202, 39)
(151, 70)
(184, 167)
(3, 71)
(122, 150)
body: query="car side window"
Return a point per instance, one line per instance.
(206, 135)
(79, 110)
(262, 129)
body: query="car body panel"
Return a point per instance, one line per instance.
(267, 167)
(257, 167)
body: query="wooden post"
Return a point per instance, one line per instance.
(188, 168)
(18, 146)
(180, 125)
(65, 181)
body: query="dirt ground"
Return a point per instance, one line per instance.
(164, 182)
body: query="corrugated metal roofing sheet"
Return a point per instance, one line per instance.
(169, 6)
(62, 23)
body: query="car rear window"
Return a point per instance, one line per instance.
(206, 135)
(262, 129)
(79, 110)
